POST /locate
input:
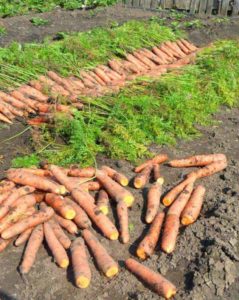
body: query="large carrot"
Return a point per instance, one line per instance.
(23, 237)
(116, 191)
(29, 102)
(61, 81)
(103, 202)
(148, 244)
(151, 56)
(55, 246)
(154, 280)
(175, 48)
(174, 192)
(189, 45)
(68, 225)
(153, 201)
(85, 172)
(161, 55)
(11, 100)
(197, 160)
(37, 218)
(4, 244)
(183, 47)
(33, 93)
(61, 176)
(122, 213)
(101, 221)
(60, 234)
(81, 268)
(116, 66)
(25, 178)
(170, 233)
(39, 172)
(60, 206)
(102, 75)
(142, 178)
(144, 60)
(159, 159)
(6, 185)
(194, 206)
(32, 248)
(5, 206)
(104, 261)
(118, 177)
(5, 195)
(210, 169)
(28, 200)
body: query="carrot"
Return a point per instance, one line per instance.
(5, 206)
(116, 191)
(81, 267)
(142, 178)
(23, 177)
(178, 205)
(183, 47)
(174, 46)
(97, 78)
(11, 100)
(144, 60)
(150, 55)
(122, 213)
(4, 196)
(32, 248)
(38, 172)
(33, 93)
(86, 201)
(102, 75)
(131, 67)
(13, 110)
(59, 205)
(23, 237)
(77, 83)
(157, 176)
(159, 159)
(61, 81)
(170, 232)
(154, 280)
(60, 234)
(5, 119)
(85, 172)
(140, 66)
(153, 201)
(114, 76)
(91, 186)
(168, 52)
(29, 102)
(148, 244)
(4, 244)
(5, 111)
(68, 225)
(190, 46)
(118, 177)
(46, 118)
(161, 55)
(197, 160)
(174, 192)
(55, 246)
(81, 219)
(29, 199)
(103, 202)
(209, 170)
(116, 66)
(6, 185)
(104, 261)
(37, 218)
(194, 206)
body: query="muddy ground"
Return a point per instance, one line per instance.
(205, 263)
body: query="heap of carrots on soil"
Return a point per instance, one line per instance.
(45, 203)
(41, 97)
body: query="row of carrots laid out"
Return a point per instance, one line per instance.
(42, 96)
(37, 204)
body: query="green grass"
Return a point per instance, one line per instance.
(39, 21)
(123, 126)
(3, 31)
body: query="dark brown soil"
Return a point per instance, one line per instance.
(205, 263)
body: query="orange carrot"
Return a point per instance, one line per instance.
(116, 66)
(178, 205)
(209, 170)
(174, 46)
(81, 268)
(142, 178)
(46, 118)
(6, 185)
(38, 172)
(157, 175)
(32, 248)
(151, 56)
(170, 232)
(23, 237)
(144, 60)
(37, 218)
(161, 55)
(96, 78)
(190, 46)
(5, 111)
(104, 261)
(154, 280)
(60, 234)
(156, 160)
(194, 206)
(68, 225)
(148, 244)
(118, 177)
(103, 202)
(5, 119)
(23, 177)
(5, 195)
(131, 68)
(12, 109)
(86, 172)
(29, 102)
(55, 246)
(168, 52)
(77, 83)
(91, 186)
(59, 205)
(183, 47)
(197, 160)
(61, 81)
(174, 192)
(11, 100)
(153, 201)
(4, 244)
(5, 206)
(102, 75)
(116, 191)
(29, 200)
(33, 93)
(122, 213)
(140, 66)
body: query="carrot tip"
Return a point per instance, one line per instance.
(124, 182)
(128, 200)
(137, 184)
(62, 190)
(70, 214)
(112, 271)
(187, 220)
(170, 293)
(104, 209)
(82, 282)
(64, 263)
(160, 180)
(168, 249)
(114, 236)
(141, 253)
(149, 219)
(167, 202)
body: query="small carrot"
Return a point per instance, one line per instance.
(154, 280)
(55, 246)
(6, 185)
(157, 174)
(116, 191)
(37, 218)
(104, 261)
(4, 243)
(60, 206)
(118, 177)
(68, 225)
(148, 244)
(153, 201)
(142, 178)
(103, 202)
(122, 213)
(170, 233)
(23, 237)
(194, 206)
(81, 268)
(209, 170)
(60, 234)
(197, 160)
(156, 160)
(5, 119)
(85, 172)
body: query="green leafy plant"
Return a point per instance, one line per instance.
(39, 21)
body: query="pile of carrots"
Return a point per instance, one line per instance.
(41, 97)
(43, 204)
